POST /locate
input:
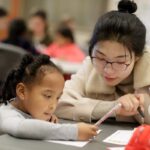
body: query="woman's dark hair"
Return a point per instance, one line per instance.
(40, 13)
(30, 68)
(17, 28)
(66, 32)
(121, 26)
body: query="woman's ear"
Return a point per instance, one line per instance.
(21, 91)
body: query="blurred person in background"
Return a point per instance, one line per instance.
(80, 36)
(17, 35)
(69, 22)
(4, 21)
(64, 46)
(38, 26)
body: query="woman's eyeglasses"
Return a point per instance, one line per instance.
(102, 63)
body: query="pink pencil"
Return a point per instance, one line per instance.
(108, 114)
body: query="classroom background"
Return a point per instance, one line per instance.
(82, 13)
(58, 28)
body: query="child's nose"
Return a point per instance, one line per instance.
(52, 107)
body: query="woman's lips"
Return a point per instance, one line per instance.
(109, 78)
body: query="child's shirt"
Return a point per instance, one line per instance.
(19, 124)
(68, 52)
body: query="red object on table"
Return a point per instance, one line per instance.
(140, 139)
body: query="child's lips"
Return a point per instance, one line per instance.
(48, 115)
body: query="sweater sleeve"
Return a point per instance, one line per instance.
(36, 129)
(102, 108)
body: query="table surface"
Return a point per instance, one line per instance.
(10, 143)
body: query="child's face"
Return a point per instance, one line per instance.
(41, 99)
(61, 40)
(113, 61)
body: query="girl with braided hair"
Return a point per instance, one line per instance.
(30, 95)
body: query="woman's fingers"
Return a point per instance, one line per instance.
(135, 103)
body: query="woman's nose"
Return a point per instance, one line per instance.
(108, 69)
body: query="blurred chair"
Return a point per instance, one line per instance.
(10, 57)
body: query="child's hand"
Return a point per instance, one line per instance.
(53, 119)
(130, 103)
(86, 131)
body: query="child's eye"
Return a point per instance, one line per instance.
(58, 98)
(47, 96)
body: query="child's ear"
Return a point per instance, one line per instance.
(21, 91)
(137, 58)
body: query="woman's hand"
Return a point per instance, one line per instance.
(130, 103)
(86, 131)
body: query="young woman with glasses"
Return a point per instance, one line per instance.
(116, 71)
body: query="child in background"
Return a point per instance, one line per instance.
(64, 46)
(30, 96)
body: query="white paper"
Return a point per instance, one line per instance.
(72, 143)
(120, 137)
(116, 148)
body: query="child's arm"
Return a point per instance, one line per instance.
(15, 124)
(38, 129)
